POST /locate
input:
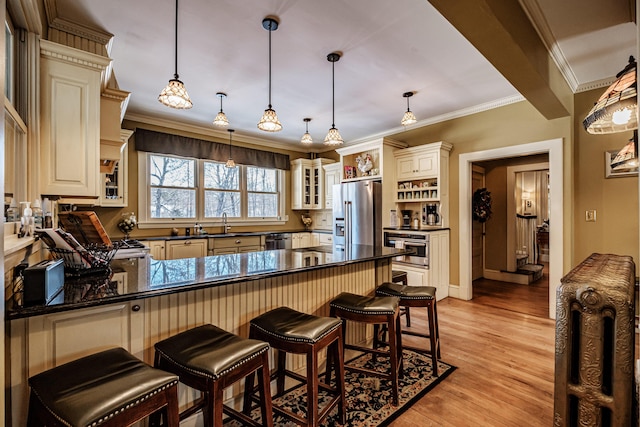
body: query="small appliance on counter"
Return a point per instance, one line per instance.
(42, 282)
(430, 214)
(406, 218)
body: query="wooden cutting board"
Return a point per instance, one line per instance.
(85, 226)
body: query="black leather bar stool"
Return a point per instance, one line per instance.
(373, 310)
(290, 331)
(210, 359)
(110, 388)
(398, 276)
(418, 296)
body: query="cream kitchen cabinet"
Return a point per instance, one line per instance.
(235, 244)
(307, 183)
(156, 248)
(70, 82)
(332, 176)
(114, 177)
(188, 248)
(417, 166)
(300, 240)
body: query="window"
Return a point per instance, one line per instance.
(178, 190)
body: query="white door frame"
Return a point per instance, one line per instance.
(554, 148)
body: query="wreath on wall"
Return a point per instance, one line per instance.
(481, 205)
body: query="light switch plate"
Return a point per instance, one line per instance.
(590, 216)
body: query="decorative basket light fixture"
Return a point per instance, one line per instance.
(616, 110)
(409, 118)
(627, 157)
(175, 95)
(221, 118)
(269, 121)
(230, 163)
(333, 136)
(306, 138)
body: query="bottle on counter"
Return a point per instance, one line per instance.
(27, 220)
(416, 222)
(38, 217)
(48, 216)
(13, 214)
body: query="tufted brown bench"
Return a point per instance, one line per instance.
(110, 388)
(290, 331)
(418, 296)
(373, 310)
(210, 359)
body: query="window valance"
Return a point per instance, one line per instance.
(164, 143)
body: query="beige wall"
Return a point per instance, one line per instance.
(110, 216)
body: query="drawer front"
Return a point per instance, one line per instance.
(232, 242)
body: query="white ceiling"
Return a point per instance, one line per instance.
(388, 48)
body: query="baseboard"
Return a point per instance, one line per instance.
(505, 276)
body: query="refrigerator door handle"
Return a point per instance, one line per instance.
(347, 223)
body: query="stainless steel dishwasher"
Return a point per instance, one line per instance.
(277, 241)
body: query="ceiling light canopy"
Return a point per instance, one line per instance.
(221, 118)
(269, 121)
(616, 110)
(175, 95)
(333, 136)
(306, 138)
(409, 118)
(230, 163)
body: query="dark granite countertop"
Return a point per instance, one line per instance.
(426, 228)
(238, 234)
(146, 277)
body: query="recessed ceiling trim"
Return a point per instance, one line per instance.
(596, 84)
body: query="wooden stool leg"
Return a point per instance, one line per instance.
(433, 337)
(265, 391)
(393, 355)
(248, 391)
(212, 411)
(339, 370)
(280, 377)
(435, 316)
(312, 388)
(408, 313)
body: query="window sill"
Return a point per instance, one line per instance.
(189, 223)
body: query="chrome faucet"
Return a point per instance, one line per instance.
(225, 225)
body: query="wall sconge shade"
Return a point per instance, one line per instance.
(230, 163)
(175, 95)
(269, 121)
(221, 118)
(627, 157)
(306, 138)
(333, 136)
(616, 110)
(409, 118)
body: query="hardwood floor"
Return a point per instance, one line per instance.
(503, 345)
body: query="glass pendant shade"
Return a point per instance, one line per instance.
(306, 138)
(221, 118)
(230, 163)
(333, 137)
(174, 95)
(269, 121)
(627, 157)
(409, 118)
(616, 110)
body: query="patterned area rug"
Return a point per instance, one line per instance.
(368, 398)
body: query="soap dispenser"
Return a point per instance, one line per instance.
(27, 219)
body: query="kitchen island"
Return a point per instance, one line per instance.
(147, 300)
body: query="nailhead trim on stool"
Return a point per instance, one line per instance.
(373, 310)
(418, 296)
(290, 331)
(210, 359)
(73, 394)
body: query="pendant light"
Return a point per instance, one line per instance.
(269, 121)
(306, 138)
(616, 109)
(627, 157)
(230, 163)
(409, 118)
(333, 136)
(221, 118)
(174, 95)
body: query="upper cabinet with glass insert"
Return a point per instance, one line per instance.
(307, 183)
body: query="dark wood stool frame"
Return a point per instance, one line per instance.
(395, 344)
(334, 342)
(212, 400)
(434, 334)
(398, 276)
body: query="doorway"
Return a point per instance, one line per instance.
(554, 149)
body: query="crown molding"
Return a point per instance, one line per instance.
(73, 55)
(596, 84)
(101, 37)
(220, 134)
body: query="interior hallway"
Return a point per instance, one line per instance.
(502, 342)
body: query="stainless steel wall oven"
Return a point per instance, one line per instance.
(414, 240)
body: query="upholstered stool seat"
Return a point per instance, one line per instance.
(290, 331)
(110, 388)
(418, 296)
(210, 359)
(373, 310)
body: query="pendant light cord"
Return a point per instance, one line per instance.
(333, 94)
(175, 75)
(270, 31)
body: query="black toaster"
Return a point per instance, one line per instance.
(42, 282)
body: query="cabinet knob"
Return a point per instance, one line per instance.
(238, 241)
(187, 242)
(135, 308)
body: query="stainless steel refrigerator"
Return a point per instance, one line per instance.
(357, 216)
